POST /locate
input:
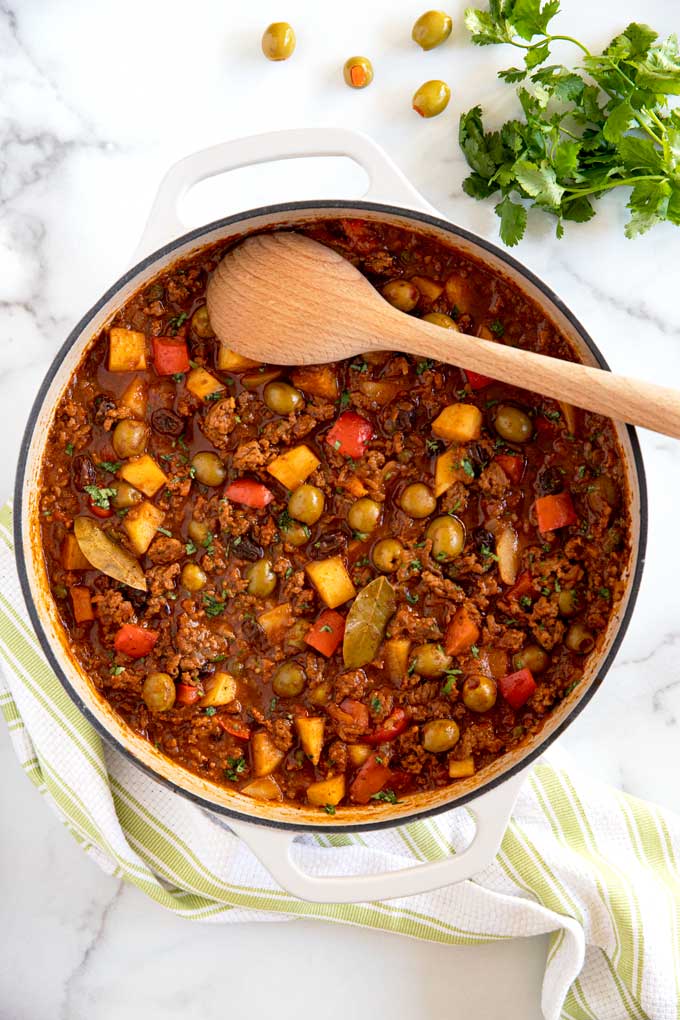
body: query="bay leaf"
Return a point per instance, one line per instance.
(106, 555)
(367, 622)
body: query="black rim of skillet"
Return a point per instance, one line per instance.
(232, 221)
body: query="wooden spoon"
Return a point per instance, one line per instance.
(285, 299)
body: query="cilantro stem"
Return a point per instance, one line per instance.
(578, 192)
(548, 39)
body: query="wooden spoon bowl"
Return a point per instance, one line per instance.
(283, 298)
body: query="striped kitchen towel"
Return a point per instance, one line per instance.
(595, 869)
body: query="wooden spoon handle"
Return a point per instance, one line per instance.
(615, 396)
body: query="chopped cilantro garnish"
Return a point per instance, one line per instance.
(117, 670)
(100, 497)
(69, 449)
(164, 531)
(329, 809)
(424, 366)
(213, 606)
(210, 710)
(389, 796)
(344, 399)
(190, 548)
(497, 328)
(235, 767)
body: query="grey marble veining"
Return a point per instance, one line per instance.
(96, 100)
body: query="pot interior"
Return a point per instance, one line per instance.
(43, 610)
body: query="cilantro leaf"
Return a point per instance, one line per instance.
(513, 218)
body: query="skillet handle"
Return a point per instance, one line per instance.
(387, 183)
(491, 812)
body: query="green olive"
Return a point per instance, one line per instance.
(295, 533)
(579, 639)
(282, 398)
(261, 578)
(199, 532)
(200, 323)
(417, 500)
(289, 680)
(296, 634)
(431, 98)
(430, 660)
(358, 72)
(306, 504)
(193, 578)
(533, 658)
(387, 554)
(512, 424)
(158, 692)
(479, 693)
(432, 29)
(603, 493)
(440, 735)
(126, 496)
(568, 602)
(130, 437)
(401, 294)
(440, 319)
(447, 535)
(278, 41)
(208, 468)
(364, 515)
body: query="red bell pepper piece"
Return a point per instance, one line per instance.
(517, 688)
(230, 724)
(476, 380)
(554, 512)
(350, 435)
(170, 355)
(327, 632)
(187, 694)
(99, 511)
(249, 492)
(134, 641)
(524, 585)
(512, 466)
(390, 728)
(357, 711)
(370, 779)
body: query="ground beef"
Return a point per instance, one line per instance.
(219, 423)
(336, 758)
(165, 550)
(252, 455)
(350, 685)
(196, 644)
(112, 612)
(493, 480)
(407, 623)
(281, 734)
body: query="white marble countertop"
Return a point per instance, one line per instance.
(99, 99)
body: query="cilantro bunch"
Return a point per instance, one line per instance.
(586, 130)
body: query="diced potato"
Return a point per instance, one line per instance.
(327, 791)
(135, 397)
(484, 333)
(458, 423)
(141, 524)
(358, 753)
(396, 658)
(381, 391)
(310, 732)
(461, 769)
(429, 289)
(127, 350)
(265, 788)
(81, 599)
(144, 474)
(331, 580)
(294, 466)
(321, 694)
(203, 383)
(275, 622)
(508, 553)
(266, 755)
(354, 486)
(570, 415)
(230, 361)
(260, 377)
(220, 689)
(319, 380)
(458, 293)
(447, 470)
(72, 558)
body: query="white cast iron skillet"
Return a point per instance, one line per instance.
(270, 829)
